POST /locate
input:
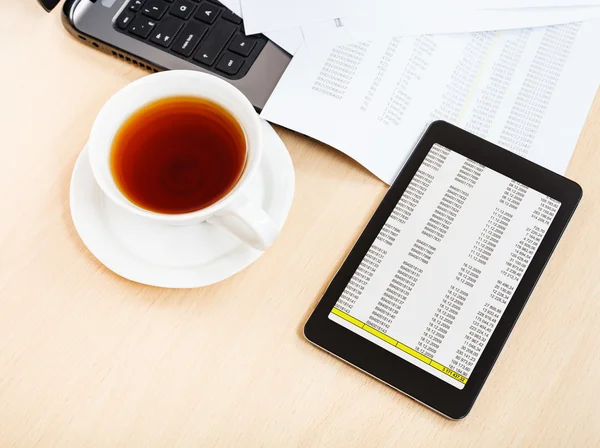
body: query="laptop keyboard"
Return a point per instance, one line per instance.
(203, 32)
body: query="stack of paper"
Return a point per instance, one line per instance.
(268, 15)
(521, 73)
(351, 20)
(527, 90)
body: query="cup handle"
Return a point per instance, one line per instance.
(248, 222)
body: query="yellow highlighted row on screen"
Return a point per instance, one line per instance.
(400, 345)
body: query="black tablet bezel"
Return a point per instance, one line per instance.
(396, 372)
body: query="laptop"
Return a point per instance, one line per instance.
(160, 35)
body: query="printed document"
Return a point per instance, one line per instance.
(388, 20)
(267, 15)
(499, 4)
(526, 90)
(431, 5)
(289, 39)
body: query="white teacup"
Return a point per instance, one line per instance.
(234, 211)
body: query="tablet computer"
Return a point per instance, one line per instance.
(431, 290)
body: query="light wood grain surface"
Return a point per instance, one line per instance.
(90, 359)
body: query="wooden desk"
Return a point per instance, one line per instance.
(90, 359)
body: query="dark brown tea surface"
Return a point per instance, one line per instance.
(178, 155)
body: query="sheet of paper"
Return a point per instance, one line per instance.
(387, 21)
(500, 4)
(527, 90)
(430, 5)
(267, 15)
(289, 39)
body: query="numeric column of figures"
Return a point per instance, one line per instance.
(400, 100)
(487, 317)
(419, 184)
(339, 69)
(513, 195)
(522, 253)
(443, 318)
(448, 310)
(452, 201)
(445, 213)
(436, 157)
(423, 249)
(388, 234)
(525, 249)
(535, 94)
(360, 278)
(411, 197)
(460, 84)
(476, 338)
(458, 292)
(480, 328)
(382, 69)
(490, 236)
(546, 211)
(400, 215)
(390, 303)
(469, 173)
(498, 82)
(441, 321)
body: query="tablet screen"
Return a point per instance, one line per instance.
(435, 283)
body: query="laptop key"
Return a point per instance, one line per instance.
(207, 12)
(214, 43)
(125, 19)
(228, 15)
(230, 63)
(242, 45)
(141, 26)
(182, 9)
(200, 31)
(155, 8)
(136, 5)
(166, 31)
(189, 38)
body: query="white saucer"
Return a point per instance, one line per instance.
(176, 256)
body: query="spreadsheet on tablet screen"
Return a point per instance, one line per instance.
(441, 272)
